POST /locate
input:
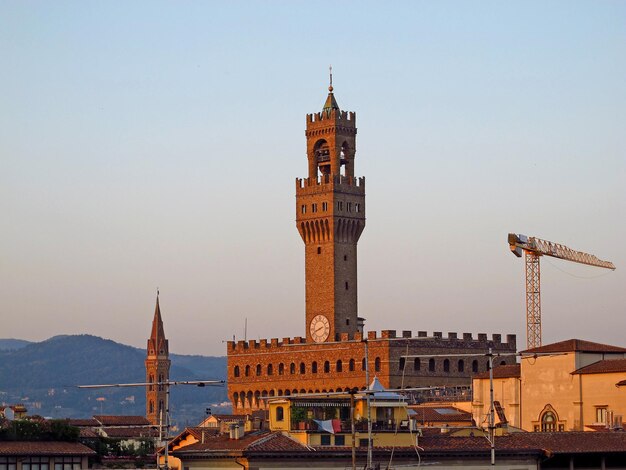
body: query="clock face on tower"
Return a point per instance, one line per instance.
(320, 328)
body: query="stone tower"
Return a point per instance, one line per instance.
(157, 369)
(330, 216)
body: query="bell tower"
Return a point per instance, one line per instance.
(330, 216)
(157, 370)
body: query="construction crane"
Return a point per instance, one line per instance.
(533, 248)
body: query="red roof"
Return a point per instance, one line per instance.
(603, 367)
(440, 414)
(501, 372)
(259, 441)
(576, 345)
(43, 448)
(113, 420)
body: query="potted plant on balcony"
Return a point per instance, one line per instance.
(298, 417)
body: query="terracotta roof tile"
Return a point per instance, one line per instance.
(501, 372)
(43, 448)
(603, 367)
(578, 345)
(440, 414)
(223, 442)
(118, 420)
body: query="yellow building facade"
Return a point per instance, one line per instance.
(572, 385)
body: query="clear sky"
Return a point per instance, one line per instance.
(156, 144)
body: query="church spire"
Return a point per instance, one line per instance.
(331, 102)
(157, 368)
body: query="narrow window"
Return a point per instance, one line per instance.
(349, 207)
(236, 371)
(351, 365)
(431, 365)
(270, 369)
(417, 364)
(377, 364)
(281, 369)
(324, 206)
(347, 321)
(402, 363)
(247, 371)
(302, 368)
(474, 366)
(326, 366)
(258, 369)
(314, 367)
(446, 365)
(339, 366)
(280, 413)
(319, 250)
(363, 364)
(357, 207)
(345, 257)
(303, 209)
(346, 285)
(461, 365)
(313, 208)
(292, 368)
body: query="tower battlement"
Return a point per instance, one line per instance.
(325, 183)
(333, 115)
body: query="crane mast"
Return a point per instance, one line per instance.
(533, 248)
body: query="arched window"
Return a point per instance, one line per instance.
(351, 365)
(339, 366)
(503, 363)
(270, 369)
(236, 372)
(314, 367)
(548, 422)
(258, 369)
(151, 380)
(236, 400)
(446, 365)
(281, 369)
(431, 365)
(327, 367)
(292, 368)
(377, 364)
(474, 365)
(151, 407)
(302, 368)
(280, 413)
(160, 382)
(402, 363)
(417, 364)
(248, 371)
(461, 365)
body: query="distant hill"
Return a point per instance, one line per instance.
(11, 344)
(43, 376)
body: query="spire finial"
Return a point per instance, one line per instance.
(157, 292)
(330, 69)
